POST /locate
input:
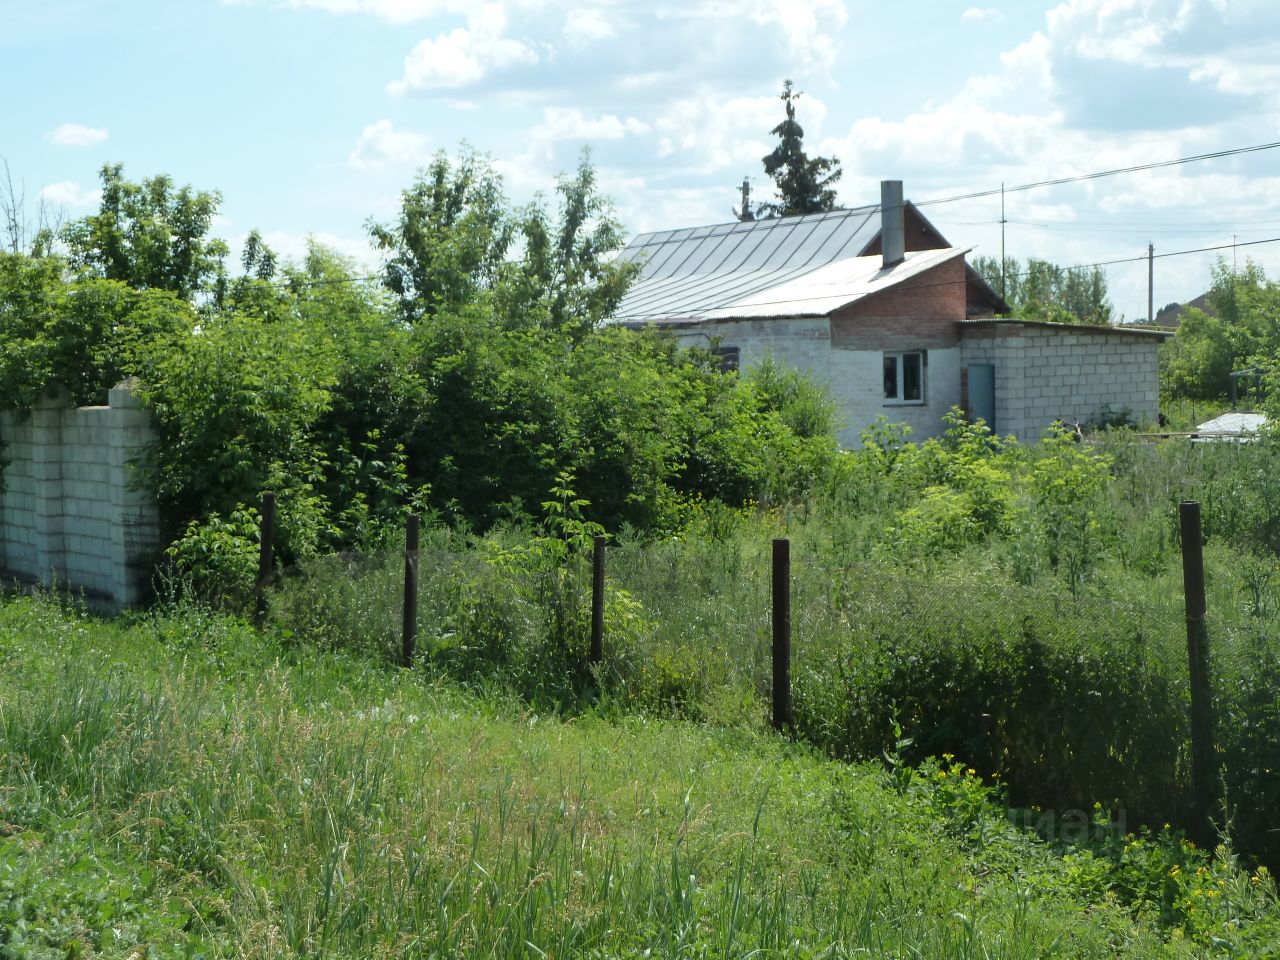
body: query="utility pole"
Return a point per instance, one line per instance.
(1151, 283)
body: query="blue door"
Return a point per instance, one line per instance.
(982, 393)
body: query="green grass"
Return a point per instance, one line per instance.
(180, 786)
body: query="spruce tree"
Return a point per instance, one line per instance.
(805, 185)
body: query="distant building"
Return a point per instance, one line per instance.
(874, 302)
(1171, 315)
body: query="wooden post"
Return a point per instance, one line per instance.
(597, 601)
(410, 632)
(266, 556)
(1203, 765)
(781, 634)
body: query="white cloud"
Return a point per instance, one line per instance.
(561, 123)
(717, 132)
(76, 135)
(393, 11)
(811, 27)
(1209, 38)
(293, 246)
(382, 145)
(569, 123)
(660, 208)
(584, 25)
(464, 56)
(976, 14)
(68, 193)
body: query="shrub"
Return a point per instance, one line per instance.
(1066, 703)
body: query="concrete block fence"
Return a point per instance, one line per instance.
(70, 512)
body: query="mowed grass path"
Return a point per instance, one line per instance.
(180, 786)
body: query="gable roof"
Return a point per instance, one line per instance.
(826, 289)
(780, 266)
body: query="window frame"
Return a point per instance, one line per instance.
(898, 357)
(730, 357)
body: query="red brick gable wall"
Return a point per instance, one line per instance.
(918, 314)
(918, 233)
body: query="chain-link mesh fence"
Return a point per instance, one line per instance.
(1068, 699)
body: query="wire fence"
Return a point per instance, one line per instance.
(1067, 698)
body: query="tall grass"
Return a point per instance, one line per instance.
(1067, 682)
(306, 805)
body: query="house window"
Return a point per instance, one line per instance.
(729, 357)
(904, 377)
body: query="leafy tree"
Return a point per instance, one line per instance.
(451, 239)
(1197, 362)
(457, 239)
(304, 381)
(565, 277)
(235, 411)
(149, 235)
(805, 184)
(1240, 329)
(75, 334)
(1041, 290)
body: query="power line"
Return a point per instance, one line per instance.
(1140, 228)
(1137, 168)
(839, 291)
(1121, 226)
(1175, 253)
(867, 211)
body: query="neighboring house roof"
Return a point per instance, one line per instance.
(1237, 427)
(703, 273)
(1171, 315)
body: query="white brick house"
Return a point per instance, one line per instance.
(887, 314)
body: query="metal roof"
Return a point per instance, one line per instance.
(708, 272)
(1236, 426)
(826, 289)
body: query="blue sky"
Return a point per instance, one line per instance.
(309, 116)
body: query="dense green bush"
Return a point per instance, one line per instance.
(1068, 702)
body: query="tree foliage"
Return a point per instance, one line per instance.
(1041, 290)
(565, 278)
(451, 238)
(469, 384)
(149, 235)
(458, 241)
(1240, 329)
(805, 184)
(71, 333)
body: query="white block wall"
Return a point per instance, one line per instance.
(1043, 374)
(855, 377)
(70, 513)
(857, 382)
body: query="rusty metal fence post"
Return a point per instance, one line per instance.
(781, 634)
(266, 557)
(1203, 765)
(409, 634)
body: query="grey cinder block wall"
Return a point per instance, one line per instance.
(1049, 372)
(71, 514)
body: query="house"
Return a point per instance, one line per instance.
(877, 304)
